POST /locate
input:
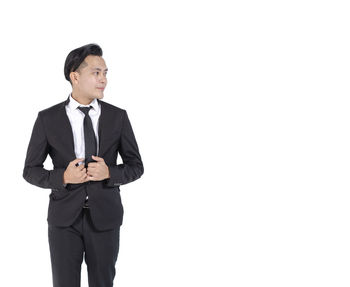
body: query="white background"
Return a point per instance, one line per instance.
(241, 113)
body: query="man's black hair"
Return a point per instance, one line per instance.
(77, 56)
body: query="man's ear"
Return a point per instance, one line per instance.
(74, 77)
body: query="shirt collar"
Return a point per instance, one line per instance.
(73, 104)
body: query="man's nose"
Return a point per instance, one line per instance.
(103, 79)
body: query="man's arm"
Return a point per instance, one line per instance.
(132, 166)
(34, 171)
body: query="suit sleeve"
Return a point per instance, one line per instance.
(132, 166)
(38, 148)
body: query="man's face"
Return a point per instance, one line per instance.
(91, 79)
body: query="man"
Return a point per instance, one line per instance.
(83, 136)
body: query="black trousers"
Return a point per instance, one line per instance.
(68, 245)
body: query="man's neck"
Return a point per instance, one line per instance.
(81, 100)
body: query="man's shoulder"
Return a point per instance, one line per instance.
(52, 110)
(111, 107)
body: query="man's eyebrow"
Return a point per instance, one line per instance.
(98, 69)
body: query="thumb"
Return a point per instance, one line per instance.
(97, 158)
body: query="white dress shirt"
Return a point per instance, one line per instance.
(76, 118)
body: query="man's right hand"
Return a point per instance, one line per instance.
(74, 173)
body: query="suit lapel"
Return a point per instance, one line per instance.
(101, 123)
(104, 123)
(66, 129)
(105, 129)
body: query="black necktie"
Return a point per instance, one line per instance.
(89, 136)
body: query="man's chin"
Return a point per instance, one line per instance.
(100, 96)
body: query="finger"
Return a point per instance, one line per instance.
(92, 168)
(92, 164)
(77, 160)
(81, 164)
(97, 158)
(81, 167)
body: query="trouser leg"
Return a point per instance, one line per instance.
(101, 252)
(66, 252)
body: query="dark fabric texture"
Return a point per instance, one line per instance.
(52, 135)
(70, 245)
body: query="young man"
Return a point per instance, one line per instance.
(83, 136)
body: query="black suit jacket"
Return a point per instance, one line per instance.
(52, 134)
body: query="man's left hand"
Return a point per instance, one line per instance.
(97, 170)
